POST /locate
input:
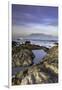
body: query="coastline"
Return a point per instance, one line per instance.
(44, 72)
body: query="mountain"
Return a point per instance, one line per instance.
(41, 37)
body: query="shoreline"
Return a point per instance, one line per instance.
(44, 64)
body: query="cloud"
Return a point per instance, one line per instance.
(34, 28)
(27, 19)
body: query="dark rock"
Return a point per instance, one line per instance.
(56, 44)
(14, 43)
(27, 42)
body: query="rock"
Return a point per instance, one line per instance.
(56, 44)
(28, 42)
(29, 46)
(22, 58)
(44, 72)
(14, 43)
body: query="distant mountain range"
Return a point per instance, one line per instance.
(41, 37)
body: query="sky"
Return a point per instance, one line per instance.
(28, 19)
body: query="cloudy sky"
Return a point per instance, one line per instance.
(27, 19)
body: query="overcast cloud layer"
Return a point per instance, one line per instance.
(34, 19)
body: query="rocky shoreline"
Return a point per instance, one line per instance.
(22, 55)
(44, 72)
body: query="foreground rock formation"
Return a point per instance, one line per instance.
(22, 55)
(44, 72)
(22, 58)
(27, 45)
